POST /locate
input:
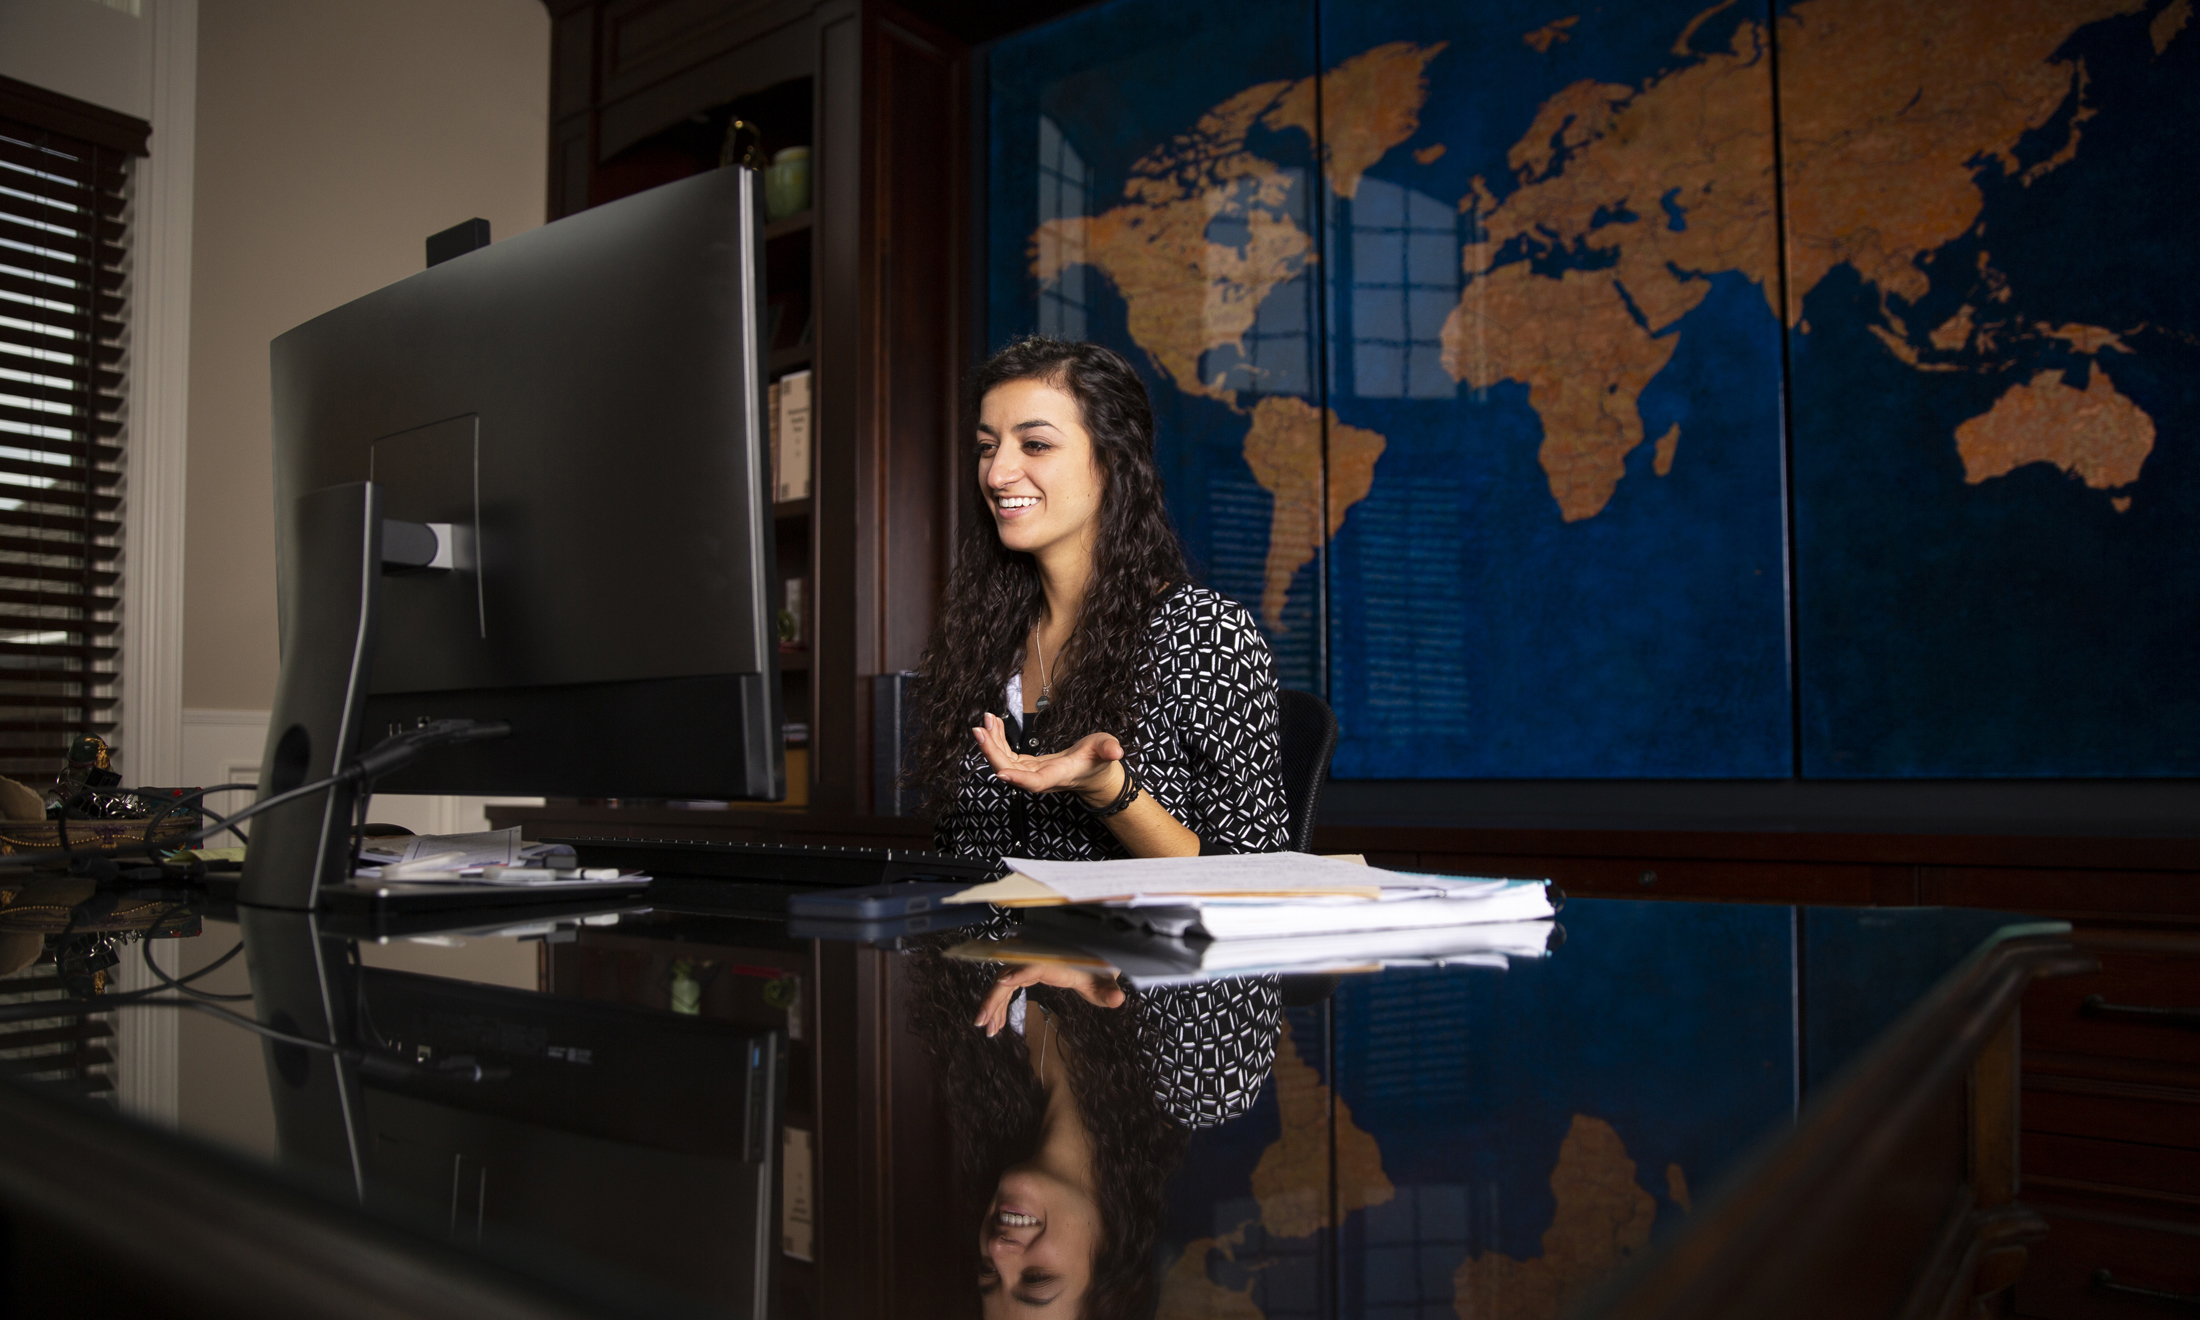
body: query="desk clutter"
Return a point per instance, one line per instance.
(1158, 920)
(494, 857)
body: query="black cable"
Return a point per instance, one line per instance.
(170, 808)
(223, 821)
(146, 946)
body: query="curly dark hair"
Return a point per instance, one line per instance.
(994, 596)
(995, 1109)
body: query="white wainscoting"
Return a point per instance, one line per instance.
(152, 511)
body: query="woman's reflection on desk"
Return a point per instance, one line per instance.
(1071, 1099)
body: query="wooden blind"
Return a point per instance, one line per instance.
(64, 269)
(70, 1052)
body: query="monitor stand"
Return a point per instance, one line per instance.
(330, 604)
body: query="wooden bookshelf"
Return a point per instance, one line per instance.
(869, 284)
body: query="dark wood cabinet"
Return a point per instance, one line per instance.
(868, 289)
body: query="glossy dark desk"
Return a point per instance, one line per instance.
(1686, 1110)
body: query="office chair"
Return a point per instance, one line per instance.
(1309, 735)
(1308, 731)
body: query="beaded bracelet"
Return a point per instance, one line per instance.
(1122, 799)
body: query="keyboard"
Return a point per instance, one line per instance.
(774, 863)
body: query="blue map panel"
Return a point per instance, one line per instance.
(1569, 560)
(1996, 381)
(1507, 483)
(1110, 174)
(1473, 332)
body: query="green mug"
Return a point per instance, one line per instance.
(787, 183)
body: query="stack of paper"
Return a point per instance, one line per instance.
(1264, 894)
(1163, 917)
(1060, 936)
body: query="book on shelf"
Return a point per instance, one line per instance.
(792, 615)
(791, 436)
(772, 428)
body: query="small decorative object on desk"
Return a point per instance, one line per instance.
(787, 183)
(85, 810)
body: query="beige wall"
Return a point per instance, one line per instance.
(333, 138)
(93, 52)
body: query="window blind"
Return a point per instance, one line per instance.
(64, 271)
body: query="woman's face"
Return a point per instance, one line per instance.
(1037, 468)
(1036, 1246)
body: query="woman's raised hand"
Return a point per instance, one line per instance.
(1086, 768)
(1100, 989)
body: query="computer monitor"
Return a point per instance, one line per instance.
(578, 412)
(582, 405)
(632, 1138)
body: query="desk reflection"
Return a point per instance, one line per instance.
(1438, 1130)
(1070, 1097)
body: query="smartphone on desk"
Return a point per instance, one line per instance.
(876, 902)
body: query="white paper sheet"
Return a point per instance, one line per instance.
(1525, 900)
(1149, 960)
(461, 856)
(1260, 877)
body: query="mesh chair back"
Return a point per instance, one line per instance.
(1309, 736)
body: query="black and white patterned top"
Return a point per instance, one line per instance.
(1211, 1045)
(1209, 752)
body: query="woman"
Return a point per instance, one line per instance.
(1083, 700)
(1137, 711)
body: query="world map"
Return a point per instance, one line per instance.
(1367, 285)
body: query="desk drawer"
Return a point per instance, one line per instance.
(2139, 1251)
(2139, 970)
(2164, 1176)
(2155, 1107)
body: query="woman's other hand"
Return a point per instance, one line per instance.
(1097, 988)
(1089, 767)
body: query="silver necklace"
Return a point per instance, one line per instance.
(1045, 688)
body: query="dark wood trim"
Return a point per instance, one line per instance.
(96, 124)
(837, 246)
(2134, 881)
(766, 50)
(2091, 853)
(883, 1247)
(1817, 1212)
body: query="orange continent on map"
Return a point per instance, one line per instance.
(2095, 434)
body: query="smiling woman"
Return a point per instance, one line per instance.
(1081, 698)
